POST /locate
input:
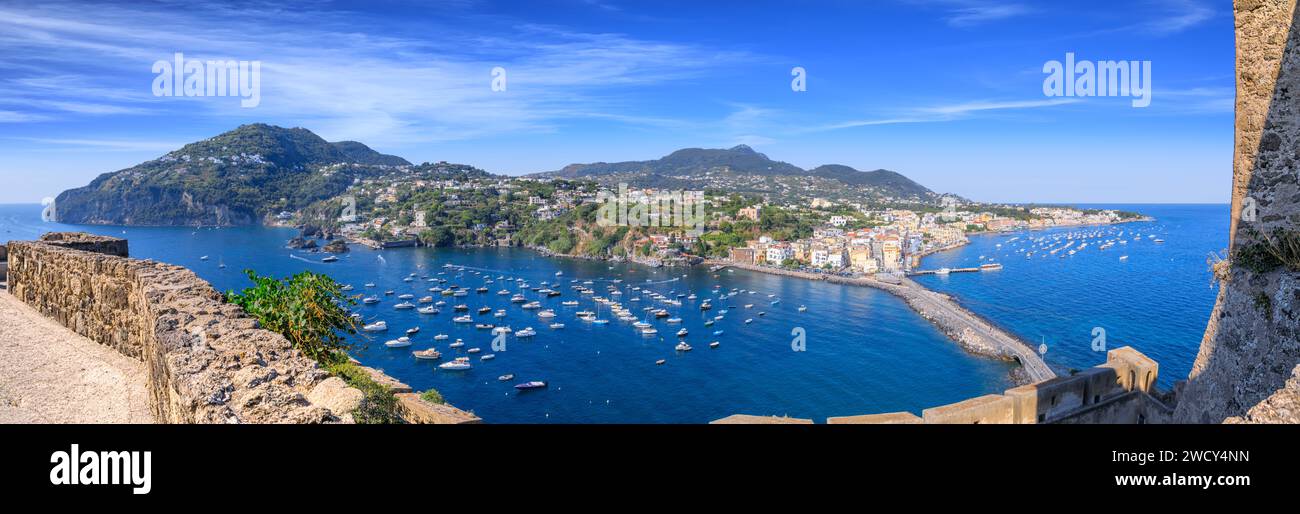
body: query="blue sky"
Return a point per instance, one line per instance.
(948, 92)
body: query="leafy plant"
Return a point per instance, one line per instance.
(309, 309)
(432, 396)
(379, 406)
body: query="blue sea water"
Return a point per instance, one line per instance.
(1158, 300)
(866, 351)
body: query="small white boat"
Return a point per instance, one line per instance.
(673, 320)
(400, 342)
(569, 303)
(500, 313)
(683, 347)
(412, 331)
(404, 306)
(714, 344)
(463, 319)
(461, 363)
(407, 296)
(506, 378)
(546, 314)
(430, 354)
(748, 321)
(474, 350)
(428, 310)
(803, 308)
(203, 258)
(557, 325)
(650, 331)
(501, 330)
(370, 300)
(378, 326)
(660, 362)
(488, 357)
(527, 332)
(441, 337)
(459, 343)
(681, 333)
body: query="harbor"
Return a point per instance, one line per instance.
(965, 328)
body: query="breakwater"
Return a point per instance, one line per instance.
(962, 326)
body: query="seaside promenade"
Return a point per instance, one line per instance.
(962, 326)
(50, 374)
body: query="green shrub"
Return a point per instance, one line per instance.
(433, 396)
(308, 309)
(379, 406)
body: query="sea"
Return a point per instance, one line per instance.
(851, 350)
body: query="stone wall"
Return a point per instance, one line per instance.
(206, 359)
(1252, 343)
(1119, 391)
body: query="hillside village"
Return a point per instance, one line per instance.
(442, 207)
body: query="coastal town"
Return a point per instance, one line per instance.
(451, 205)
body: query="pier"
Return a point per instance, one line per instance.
(962, 326)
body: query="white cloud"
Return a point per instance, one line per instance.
(335, 74)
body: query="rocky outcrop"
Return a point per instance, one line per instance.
(1251, 347)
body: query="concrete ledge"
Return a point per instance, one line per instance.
(415, 410)
(987, 409)
(889, 418)
(745, 419)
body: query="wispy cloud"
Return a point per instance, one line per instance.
(969, 13)
(335, 73)
(130, 145)
(942, 113)
(1179, 15)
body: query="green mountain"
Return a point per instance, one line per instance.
(236, 178)
(741, 169)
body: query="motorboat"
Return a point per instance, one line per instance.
(557, 325)
(569, 303)
(474, 350)
(458, 344)
(714, 344)
(463, 319)
(681, 333)
(500, 313)
(461, 307)
(527, 332)
(546, 314)
(378, 326)
(406, 296)
(484, 310)
(441, 337)
(412, 331)
(404, 306)
(650, 331)
(673, 320)
(428, 310)
(803, 308)
(400, 342)
(370, 300)
(488, 357)
(501, 330)
(536, 384)
(506, 377)
(660, 362)
(430, 354)
(683, 347)
(461, 363)
(484, 326)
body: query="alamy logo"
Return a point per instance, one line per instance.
(194, 77)
(651, 209)
(102, 468)
(1102, 78)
